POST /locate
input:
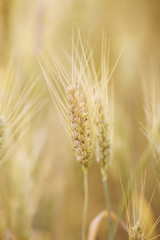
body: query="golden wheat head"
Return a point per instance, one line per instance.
(82, 143)
(70, 101)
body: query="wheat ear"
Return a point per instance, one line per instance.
(136, 233)
(82, 143)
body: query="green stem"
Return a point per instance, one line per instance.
(108, 203)
(85, 210)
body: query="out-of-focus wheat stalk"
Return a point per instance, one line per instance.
(20, 194)
(20, 101)
(71, 103)
(152, 111)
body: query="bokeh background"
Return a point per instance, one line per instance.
(134, 25)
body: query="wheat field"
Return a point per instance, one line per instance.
(79, 120)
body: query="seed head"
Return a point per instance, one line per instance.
(136, 232)
(103, 138)
(80, 128)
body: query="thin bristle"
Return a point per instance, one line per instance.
(2, 131)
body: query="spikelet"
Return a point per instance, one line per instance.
(70, 101)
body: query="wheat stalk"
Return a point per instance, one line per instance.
(97, 85)
(69, 99)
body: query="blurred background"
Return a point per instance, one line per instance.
(134, 25)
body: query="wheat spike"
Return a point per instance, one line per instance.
(136, 232)
(82, 143)
(68, 96)
(103, 138)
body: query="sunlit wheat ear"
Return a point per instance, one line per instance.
(100, 98)
(71, 104)
(19, 101)
(141, 223)
(103, 138)
(140, 218)
(81, 135)
(103, 108)
(136, 232)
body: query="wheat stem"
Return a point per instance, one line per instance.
(108, 203)
(85, 210)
